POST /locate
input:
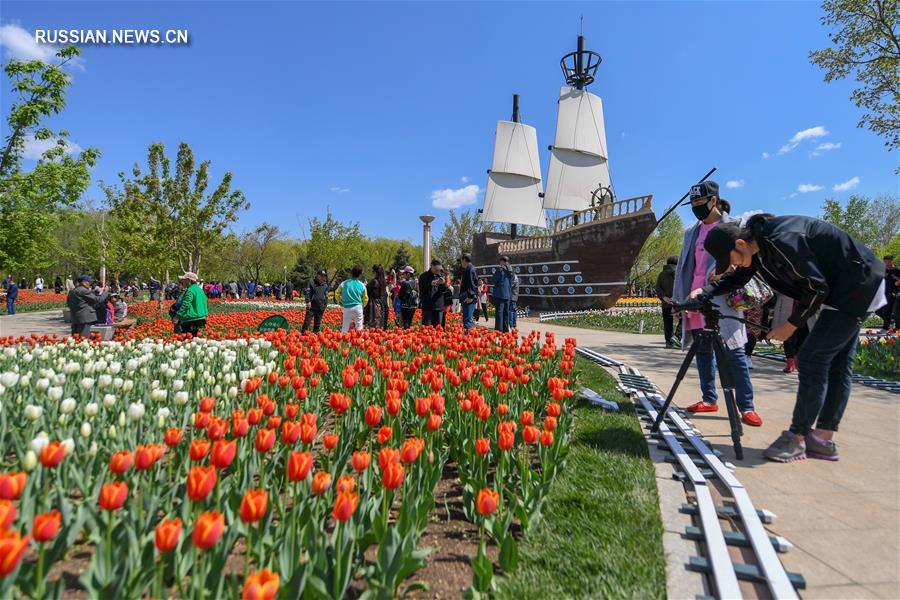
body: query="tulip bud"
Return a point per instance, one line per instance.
(111, 432)
(85, 429)
(128, 385)
(69, 445)
(29, 461)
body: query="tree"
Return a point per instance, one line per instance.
(666, 241)
(172, 213)
(31, 201)
(401, 258)
(255, 250)
(456, 238)
(873, 222)
(334, 246)
(866, 45)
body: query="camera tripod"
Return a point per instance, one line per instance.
(710, 336)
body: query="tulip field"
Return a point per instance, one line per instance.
(270, 465)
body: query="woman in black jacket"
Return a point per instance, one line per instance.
(822, 267)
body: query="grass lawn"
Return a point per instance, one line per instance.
(628, 322)
(601, 532)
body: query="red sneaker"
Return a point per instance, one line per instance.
(702, 407)
(751, 418)
(790, 366)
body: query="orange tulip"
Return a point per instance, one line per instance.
(411, 449)
(254, 505)
(530, 434)
(386, 456)
(393, 404)
(254, 416)
(290, 432)
(423, 405)
(46, 526)
(167, 533)
(385, 434)
(505, 440)
(373, 415)
(482, 446)
(265, 439)
(330, 440)
(339, 402)
(487, 501)
(321, 482)
(12, 484)
(207, 403)
(261, 585)
(52, 454)
(121, 462)
(173, 436)
(201, 420)
(433, 423)
(7, 514)
(223, 452)
(200, 482)
(345, 505)
(360, 460)
(527, 417)
(392, 475)
(308, 432)
(345, 483)
(198, 449)
(12, 548)
(146, 456)
(502, 409)
(550, 423)
(216, 428)
(299, 465)
(546, 438)
(291, 410)
(274, 422)
(208, 529)
(554, 409)
(113, 495)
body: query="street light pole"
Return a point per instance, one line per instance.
(426, 240)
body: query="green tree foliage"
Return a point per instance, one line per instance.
(666, 241)
(31, 201)
(456, 238)
(173, 217)
(875, 223)
(401, 258)
(865, 44)
(334, 246)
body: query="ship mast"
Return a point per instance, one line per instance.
(513, 227)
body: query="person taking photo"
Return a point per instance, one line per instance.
(694, 269)
(822, 267)
(316, 296)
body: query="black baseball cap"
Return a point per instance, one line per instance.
(720, 241)
(704, 189)
(436, 262)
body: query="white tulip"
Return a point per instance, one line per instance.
(232, 392)
(181, 398)
(104, 381)
(25, 380)
(121, 419)
(127, 386)
(67, 406)
(29, 461)
(69, 445)
(111, 432)
(42, 384)
(135, 411)
(177, 384)
(33, 413)
(163, 413)
(85, 429)
(109, 400)
(93, 449)
(92, 409)
(131, 365)
(59, 379)
(38, 443)
(154, 384)
(115, 367)
(2, 389)
(55, 393)
(86, 383)
(9, 379)
(118, 382)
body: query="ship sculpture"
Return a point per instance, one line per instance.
(592, 238)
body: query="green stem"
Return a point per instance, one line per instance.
(39, 591)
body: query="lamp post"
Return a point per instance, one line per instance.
(426, 240)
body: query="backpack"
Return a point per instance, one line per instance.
(409, 295)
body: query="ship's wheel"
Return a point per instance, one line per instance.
(602, 195)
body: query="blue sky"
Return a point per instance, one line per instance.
(372, 108)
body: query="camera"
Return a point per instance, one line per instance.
(702, 304)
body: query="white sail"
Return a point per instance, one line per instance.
(578, 160)
(514, 182)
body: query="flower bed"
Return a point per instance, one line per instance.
(274, 462)
(31, 301)
(618, 320)
(878, 356)
(637, 302)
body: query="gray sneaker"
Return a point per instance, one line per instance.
(787, 448)
(821, 449)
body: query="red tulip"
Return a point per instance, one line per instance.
(121, 462)
(505, 440)
(329, 440)
(7, 514)
(482, 446)
(274, 422)
(207, 403)
(546, 438)
(12, 548)
(411, 449)
(550, 423)
(216, 428)
(168, 531)
(113, 495)
(487, 501)
(198, 449)
(437, 404)
(265, 439)
(254, 416)
(290, 432)
(530, 434)
(173, 436)
(393, 404)
(392, 475)
(200, 482)
(360, 461)
(554, 409)
(434, 422)
(386, 456)
(201, 420)
(52, 454)
(146, 456)
(345, 483)
(208, 529)
(345, 505)
(12, 484)
(46, 526)
(254, 505)
(385, 434)
(299, 465)
(261, 585)
(308, 432)
(291, 410)
(223, 452)
(502, 409)
(373, 415)
(339, 402)
(423, 405)
(320, 483)
(527, 417)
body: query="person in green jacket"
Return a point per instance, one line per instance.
(351, 295)
(190, 310)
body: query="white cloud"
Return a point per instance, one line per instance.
(623, 135)
(339, 190)
(766, 155)
(805, 188)
(847, 185)
(806, 134)
(746, 215)
(733, 184)
(824, 147)
(450, 198)
(20, 45)
(34, 149)
(464, 179)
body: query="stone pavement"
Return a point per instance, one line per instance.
(843, 517)
(43, 322)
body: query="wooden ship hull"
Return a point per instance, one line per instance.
(582, 264)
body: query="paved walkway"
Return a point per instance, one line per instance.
(43, 322)
(844, 517)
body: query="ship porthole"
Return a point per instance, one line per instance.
(567, 268)
(555, 290)
(545, 268)
(518, 269)
(588, 290)
(531, 280)
(578, 279)
(527, 290)
(561, 279)
(531, 269)
(493, 270)
(571, 290)
(546, 280)
(541, 291)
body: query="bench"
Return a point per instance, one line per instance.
(108, 331)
